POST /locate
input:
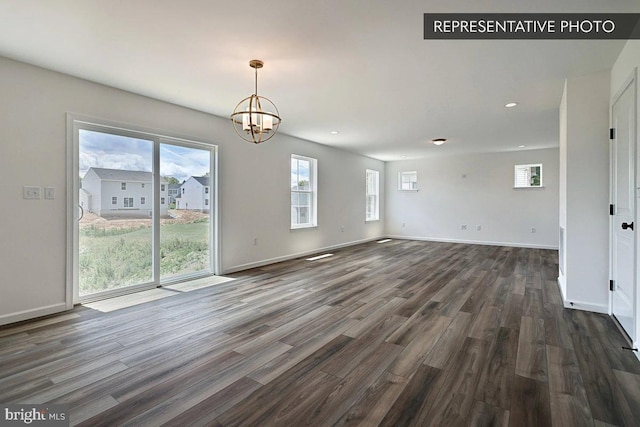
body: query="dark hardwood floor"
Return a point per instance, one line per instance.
(394, 334)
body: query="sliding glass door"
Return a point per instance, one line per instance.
(115, 247)
(185, 237)
(141, 211)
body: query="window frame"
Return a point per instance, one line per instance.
(401, 174)
(527, 167)
(376, 194)
(312, 192)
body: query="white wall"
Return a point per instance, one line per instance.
(625, 65)
(585, 126)
(254, 183)
(475, 190)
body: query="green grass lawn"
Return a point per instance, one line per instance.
(111, 259)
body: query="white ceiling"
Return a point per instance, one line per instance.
(357, 66)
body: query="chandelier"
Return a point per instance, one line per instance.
(255, 118)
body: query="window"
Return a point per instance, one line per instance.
(206, 190)
(114, 200)
(142, 200)
(142, 185)
(373, 195)
(303, 191)
(408, 181)
(128, 202)
(183, 191)
(526, 176)
(162, 200)
(206, 202)
(123, 185)
(162, 187)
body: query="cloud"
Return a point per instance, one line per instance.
(103, 150)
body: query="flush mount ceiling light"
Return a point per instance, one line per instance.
(439, 141)
(511, 104)
(334, 132)
(256, 119)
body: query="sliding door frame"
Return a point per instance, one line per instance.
(76, 122)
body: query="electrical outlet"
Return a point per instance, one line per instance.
(463, 227)
(403, 224)
(255, 241)
(478, 228)
(533, 229)
(30, 192)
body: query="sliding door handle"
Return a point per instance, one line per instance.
(625, 226)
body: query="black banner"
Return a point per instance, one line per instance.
(531, 26)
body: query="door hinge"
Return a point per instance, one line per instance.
(612, 133)
(612, 209)
(611, 285)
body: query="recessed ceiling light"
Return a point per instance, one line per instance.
(511, 104)
(439, 141)
(334, 132)
(521, 146)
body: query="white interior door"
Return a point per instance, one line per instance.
(623, 197)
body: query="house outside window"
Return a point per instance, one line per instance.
(372, 195)
(128, 202)
(162, 200)
(408, 181)
(114, 200)
(206, 190)
(142, 200)
(303, 191)
(527, 176)
(162, 187)
(123, 186)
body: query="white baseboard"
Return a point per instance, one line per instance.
(264, 262)
(32, 313)
(474, 242)
(586, 306)
(561, 282)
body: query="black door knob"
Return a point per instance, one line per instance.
(625, 226)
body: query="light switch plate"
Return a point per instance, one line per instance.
(30, 192)
(49, 193)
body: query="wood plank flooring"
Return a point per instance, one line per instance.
(402, 333)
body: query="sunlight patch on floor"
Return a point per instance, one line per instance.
(130, 300)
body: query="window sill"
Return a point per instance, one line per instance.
(408, 191)
(528, 188)
(366, 221)
(303, 227)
